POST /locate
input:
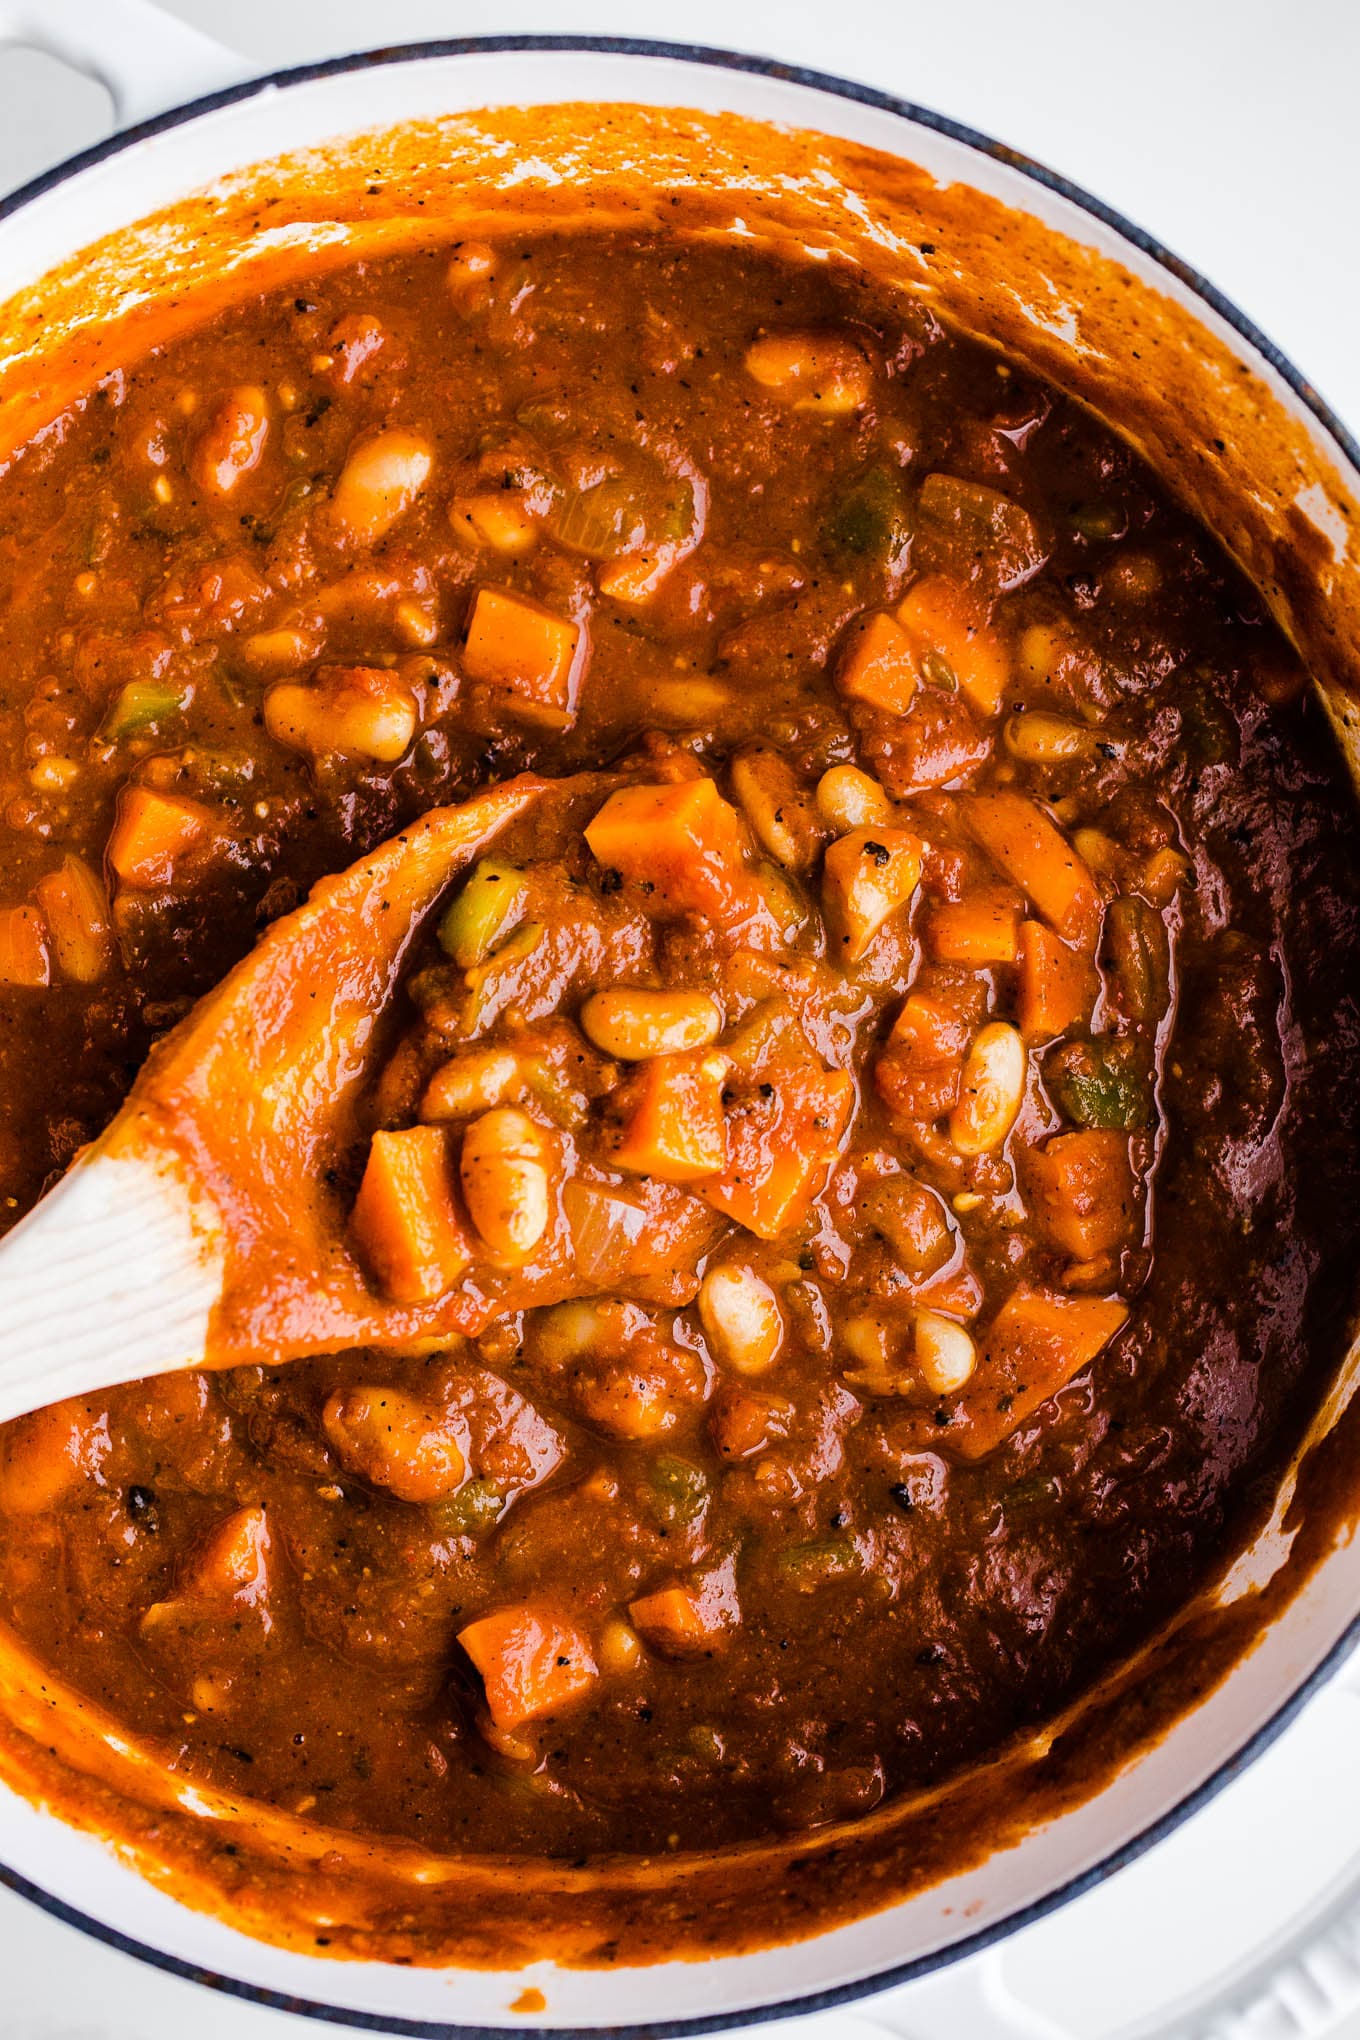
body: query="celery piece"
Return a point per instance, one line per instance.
(1104, 1084)
(143, 705)
(1098, 521)
(867, 521)
(820, 1563)
(485, 909)
(603, 521)
(679, 1491)
(475, 1507)
(1136, 944)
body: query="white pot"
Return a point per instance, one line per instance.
(151, 62)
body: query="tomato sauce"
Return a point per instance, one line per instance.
(883, 1122)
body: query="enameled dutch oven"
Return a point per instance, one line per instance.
(92, 255)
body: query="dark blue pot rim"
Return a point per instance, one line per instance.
(1233, 1766)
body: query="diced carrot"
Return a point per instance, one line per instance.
(682, 841)
(517, 644)
(77, 910)
(1057, 986)
(23, 948)
(688, 1621)
(945, 622)
(151, 832)
(867, 877)
(1038, 1341)
(406, 1221)
(877, 665)
(1081, 1190)
(676, 1129)
(981, 928)
(1017, 834)
(780, 1147)
(531, 1661)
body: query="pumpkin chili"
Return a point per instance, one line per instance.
(885, 1116)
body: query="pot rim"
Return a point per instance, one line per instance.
(1193, 280)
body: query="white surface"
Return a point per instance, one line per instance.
(1228, 129)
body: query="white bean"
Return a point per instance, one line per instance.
(944, 1353)
(741, 1316)
(992, 1090)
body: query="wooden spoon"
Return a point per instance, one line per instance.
(201, 1228)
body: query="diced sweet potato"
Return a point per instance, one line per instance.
(517, 644)
(151, 833)
(676, 1129)
(23, 948)
(920, 1068)
(682, 842)
(232, 1562)
(688, 1621)
(228, 1574)
(980, 929)
(46, 1456)
(532, 1662)
(1081, 1191)
(867, 877)
(406, 1220)
(938, 742)
(1057, 986)
(938, 1023)
(783, 1136)
(1032, 851)
(945, 625)
(877, 665)
(1037, 1342)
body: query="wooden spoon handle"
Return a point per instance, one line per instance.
(119, 1261)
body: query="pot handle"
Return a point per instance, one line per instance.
(1300, 1986)
(147, 59)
